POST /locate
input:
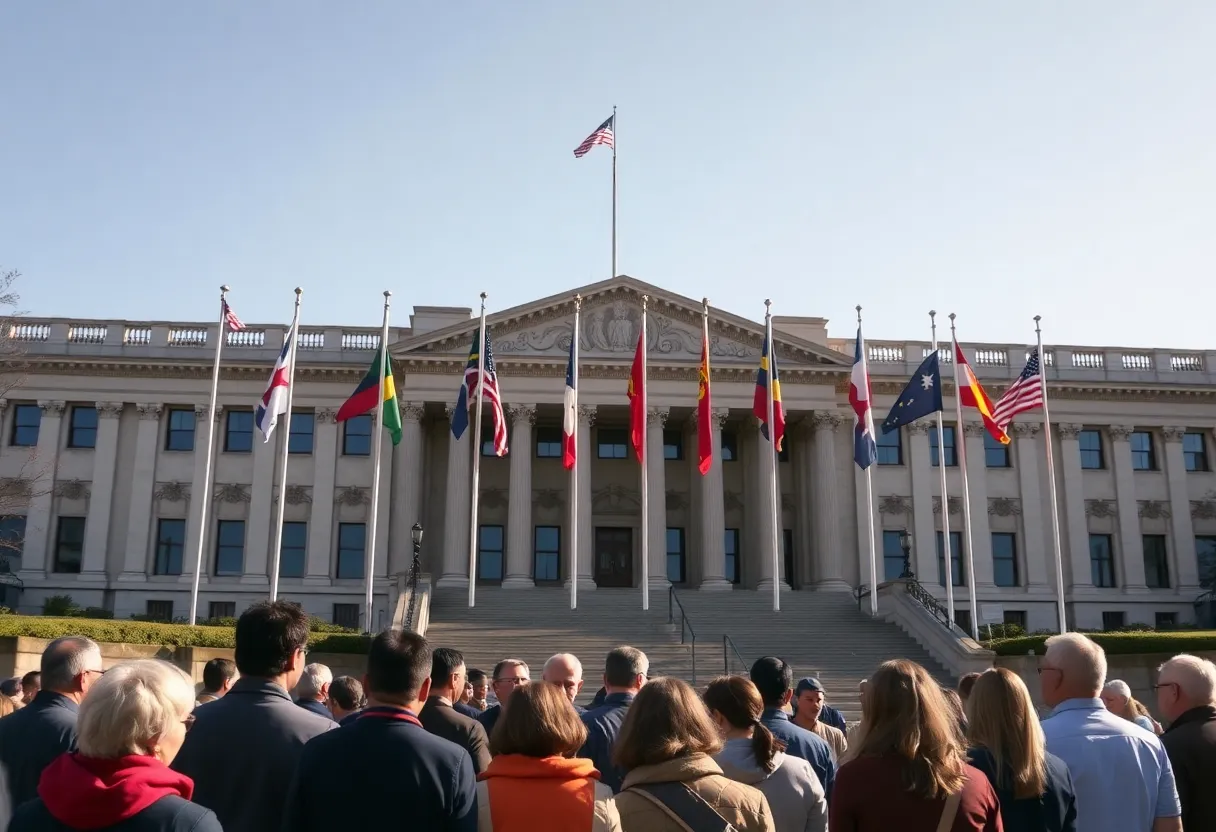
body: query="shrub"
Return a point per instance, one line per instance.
(1117, 643)
(988, 632)
(320, 625)
(95, 612)
(59, 605)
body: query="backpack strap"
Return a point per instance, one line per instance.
(684, 806)
(950, 811)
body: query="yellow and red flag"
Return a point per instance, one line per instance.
(971, 394)
(705, 437)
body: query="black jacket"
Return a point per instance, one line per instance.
(1053, 811)
(242, 751)
(34, 736)
(383, 772)
(442, 720)
(315, 707)
(1190, 742)
(169, 814)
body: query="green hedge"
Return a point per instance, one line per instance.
(1118, 644)
(167, 635)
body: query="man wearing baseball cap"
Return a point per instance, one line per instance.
(808, 699)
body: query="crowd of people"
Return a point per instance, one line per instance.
(421, 742)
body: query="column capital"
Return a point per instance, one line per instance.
(721, 414)
(449, 410)
(522, 413)
(200, 411)
(1173, 433)
(109, 410)
(325, 416)
(586, 414)
(411, 411)
(920, 428)
(974, 429)
(1069, 430)
(149, 411)
(1026, 430)
(827, 420)
(657, 416)
(1120, 433)
(52, 408)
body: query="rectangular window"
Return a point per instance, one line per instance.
(487, 437)
(12, 538)
(82, 428)
(549, 443)
(180, 435)
(783, 453)
(962, 619)
(1205, 554)
(996, 455)
(69, 544)
(675, 555)
(357, 436)
(26, 419)
(292, 552)
(547, 553)
(730, 543)
(673, 444)
(230, 547)
(1156, 562)
(1101, 560)
(347, 615)
(730, 446)
(1091, 450)
(787, 554)
(352, 546)
(892, 555)
(890, 447)
(1195, 451)
(238, 432)
(303, 423)
(170, 543)
(956, 558)
(160, 611)
(612, 443)
(1004, 559)
(1165, 620)
(1113, 619)
(1014, 617)
(490, 547)
(948, 437)
(1143, 457)
(221, 609)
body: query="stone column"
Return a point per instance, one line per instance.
(1131, 545)
(101, 500)
(586, 420)
(407, 488)
(518, 573)
(977, 483)
(713, 513)
(38, 530)
(826, 511)
(457, 509)
(656, 475)
(259, 532)
(1037, 551)
(143, 479)
(765, 469)
(803, 459)
(383, 518)
(317, 570)
(194, 524)
(925, 483)
(1076, 530)
(1185, 577)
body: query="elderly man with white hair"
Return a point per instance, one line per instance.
(312, 691)
(1120, 772)
(565, 671)
(1117, 697)
(1186, 698)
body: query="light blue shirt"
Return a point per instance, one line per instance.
(1120, 772)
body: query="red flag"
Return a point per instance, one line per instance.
(971, 394)
(705, 437)
(637, 400)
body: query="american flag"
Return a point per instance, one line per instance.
(1024, 394)
(602, 135)
(468, 397)
(230, 319)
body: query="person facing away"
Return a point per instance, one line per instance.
(534, 781)
(625, 670)
(566, 672)
(667, 746)
(907, 770)
(131, 726)
(480, 684)
(38, 733)
(1186, 697)
(808, 710)
(1007, 744)
(508, 675)
(966, 684)
(774, 678)
(218, 677)
(1120, 772)
(385, 771)
(345, 699)
(752, 755)
(10, 689)
(244, 747)
(1118, 699)
(441, 719)
(31, 683)
(313, 689)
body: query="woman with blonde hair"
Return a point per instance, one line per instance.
(1118, 699)
(666, 746)
(1007, 744)
(752, 755)
(907, 769)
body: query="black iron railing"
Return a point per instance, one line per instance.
(861, 591)
(673, 603)
(927, 600)
(412, 587)
(728, 647)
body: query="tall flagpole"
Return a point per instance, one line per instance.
(947, 554)
(869, 472)
(613, 191)
(645, 461)
(573, 545)
(294, 334)
(369, 558)
(1051, 481)
(476, 443)
(961, 446)
(772, 441)
(209, 433)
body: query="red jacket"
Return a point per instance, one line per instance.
(855, 809)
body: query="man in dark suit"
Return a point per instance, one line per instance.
(313, 689)
(385, 771)
(441, 719)
(38, 733)
(243, 748)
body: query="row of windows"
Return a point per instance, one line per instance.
(1144, 451)
(344, 615)
(891, 451)
(613, 443)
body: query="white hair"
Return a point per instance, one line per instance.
(566, 659)
(1119, 687)
(1080, 659)
(130, 705)
(1195, 676)
(316, 676)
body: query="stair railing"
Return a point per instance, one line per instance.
(728, 647)
(673, 603)
(926, 599)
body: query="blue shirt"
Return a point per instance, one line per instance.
(603, 726)
(1120, 772)
(800, 742)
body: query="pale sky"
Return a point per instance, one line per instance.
(995, 159)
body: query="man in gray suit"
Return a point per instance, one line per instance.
(242, 751)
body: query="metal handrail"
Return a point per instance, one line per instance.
(672, 603)
(727, 641)
(927, 600)
(862, 591)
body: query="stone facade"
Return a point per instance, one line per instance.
(100, 462)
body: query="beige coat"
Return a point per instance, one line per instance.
(743, 806)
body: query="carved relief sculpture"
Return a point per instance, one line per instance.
(919, 428)
(548, 498)
(72, 490)
(1173, 433)
(353, 496)
(172, 492)
(1026, 430)
(1120, 433)
(493, 497)
(51, 408)
(1101, 509)
(731, 501)
(411, 411)
(1154, 509)
(325, 416)
(230, 492)
(149, 412)
(615, 499)
(1068, 430)
(296, 495)
(894, 504)
(676, 500)
(16, 487)
(1203, 509)
(1004, 506)
(109, 410)
(956, 505)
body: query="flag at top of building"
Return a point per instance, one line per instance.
(865, 449)
(921, 396)
(760, 399)
(274, 400)
(491, 398)
(363, 400)
(570, 411)
(1026, 393)
(971, 394)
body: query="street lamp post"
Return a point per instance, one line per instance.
(905, 543)
(415, 568)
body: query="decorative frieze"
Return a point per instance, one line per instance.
(1154, 509)
(615, 499)
(676, 500)
(1203, 509)
(895, 505)
(548, 498)
(172, 492)
(956, 505)
(494, 497)
(353, 495)
(72, 490)
(325, 416)
(1004, 507)
(297, 495)
(230, 492)
(1101, 509)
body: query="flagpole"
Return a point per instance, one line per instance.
(772, 441)
(481, 386)
(573, 545)
(209, 433)
(294, 334)
(369, 558)
(644, 462)
(865, 372)
(947, 554)
(613, 191)
(1051, 481)
(961, 449)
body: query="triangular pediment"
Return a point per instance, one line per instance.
(610, 321)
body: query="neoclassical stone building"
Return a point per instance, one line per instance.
(101, 464)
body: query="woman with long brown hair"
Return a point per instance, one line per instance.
(752, 755)
(1007, 744)
(907, 768)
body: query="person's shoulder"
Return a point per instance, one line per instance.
(798, 769)
(1058, 775)
(176, 814)
(32, 814)
(978, 787)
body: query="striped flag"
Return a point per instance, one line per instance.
(865, 449)
(569, 408)
(230, 319)
(274, 400)
(1024, 394)
(602, 135)
(468, 396)
(971, 394)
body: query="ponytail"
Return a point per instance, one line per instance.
(765, 746)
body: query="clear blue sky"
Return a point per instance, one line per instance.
(992, 159)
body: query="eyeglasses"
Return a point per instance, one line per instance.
(188, 722)
(515, 681)
(1165, 685)
(1041, 670)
